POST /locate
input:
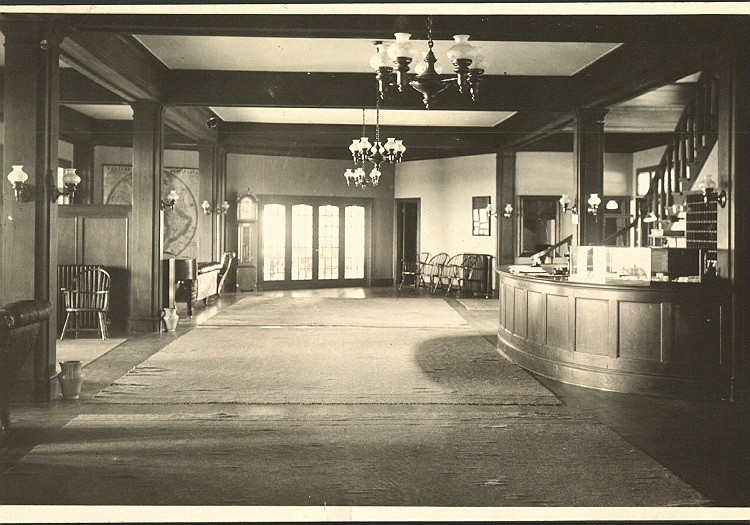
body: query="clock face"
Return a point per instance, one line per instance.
(247, 208)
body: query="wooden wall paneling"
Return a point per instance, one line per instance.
(100, 235)
(537, 328)
(640, 330)
(105, 241)
(501, 301)
(558, 323)
(591, 325)
(667, 332)
(510, 302)
(520, 327)
(613, 311)
(67, 240)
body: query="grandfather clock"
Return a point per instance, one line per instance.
(247, 243)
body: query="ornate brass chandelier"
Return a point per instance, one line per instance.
(361, 150)
(468, 66)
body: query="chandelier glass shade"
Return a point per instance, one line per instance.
(363, 151)
(392, 64)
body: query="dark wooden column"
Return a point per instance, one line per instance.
(220, 192)
(506, 194)
(29, 256)
(146, 231)
(733, 219)
(83, 161)
(588, 150)
(207, 224)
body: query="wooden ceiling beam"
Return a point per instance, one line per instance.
(75, 126)
(627, 72)
(340, 137)
(117, 62)
(489, 27)
(76, 88)
(191, 122)
(353, 90)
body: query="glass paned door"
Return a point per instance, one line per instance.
(312, 242)
(274, 242)
(328, 242)
(354, 253)
(302, 242)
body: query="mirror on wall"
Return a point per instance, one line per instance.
(539, 223)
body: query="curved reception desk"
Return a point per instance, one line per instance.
(659, 338)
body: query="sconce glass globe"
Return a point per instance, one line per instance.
(402, 48)
(381, 58)
(461, 49)
(70, 176)
(17, 175)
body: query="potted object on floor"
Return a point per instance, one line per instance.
(70, 379)
(170, 319)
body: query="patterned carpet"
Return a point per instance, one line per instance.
(310, 351)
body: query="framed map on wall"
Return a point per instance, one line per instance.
(180, 224)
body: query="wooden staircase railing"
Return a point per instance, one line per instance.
(694, 137)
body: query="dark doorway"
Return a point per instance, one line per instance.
(407, 233)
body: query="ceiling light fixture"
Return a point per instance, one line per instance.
(361, 150)
(468, 66)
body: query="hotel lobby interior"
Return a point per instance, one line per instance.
(329, 264)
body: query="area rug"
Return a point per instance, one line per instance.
(398, 456)
(480, 304)
(264, 310)
(86, 350)
(331, 365)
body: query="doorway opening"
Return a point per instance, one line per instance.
(407, 233)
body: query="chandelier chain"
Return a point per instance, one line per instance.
(377, 118)
(429, 32)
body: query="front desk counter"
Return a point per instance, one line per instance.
(657, 338)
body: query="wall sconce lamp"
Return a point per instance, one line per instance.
(70, 183)
(722, 198)
(223, 208)
(17, 177)
(567, 204)
(508, 211)
(172, 198)
(612, 205)
(594, 202)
